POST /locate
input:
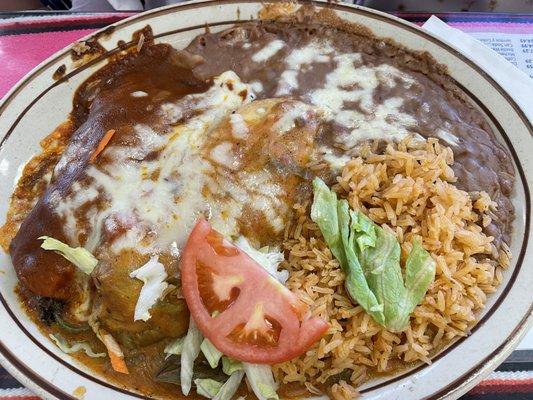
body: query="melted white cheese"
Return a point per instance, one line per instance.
(288, 118)
(353, 82)
(67, 209)
(139, 93)
(239, 129)
(257, 86)
(268, 51)
(149, 141)
(336, 162)
(223, 154)
(314, 52)
(155, 203)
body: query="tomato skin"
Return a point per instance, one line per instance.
(256, 289)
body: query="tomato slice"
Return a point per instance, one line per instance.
(238, 306)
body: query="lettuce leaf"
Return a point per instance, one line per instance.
(370, 257)
(333, 218)
(207, 387)
(324, 213)
(261, 381)
(175, 347)
(211, 353)
(229, 388)
(191, 350)
(383, 273)
(78, 256)
(356, 282)
(420, 273)
(229, 365)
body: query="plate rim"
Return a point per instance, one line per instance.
(467, 380)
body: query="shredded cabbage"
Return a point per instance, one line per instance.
(260, 377)
(176, 347)
(78, 256)
(207, 387)
(229, 365)
(78, 346)
(216, 390)
(261, 381)
(191, 349)
(228, 389)
(211, 353)
(268, 258)
(153, 275)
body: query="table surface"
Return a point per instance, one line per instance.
(28, 38)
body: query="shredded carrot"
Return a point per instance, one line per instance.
(103, 143)
(115, 353)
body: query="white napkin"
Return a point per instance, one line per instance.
(515, 82)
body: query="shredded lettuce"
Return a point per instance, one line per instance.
(175, 348)
(211, 353)
(153, 276)
(78, 346)
(229, 388)
(268, 258)
(267, 391)
(212, 384)
(259, 376)
(370, 258)
(261, 381)
(78, 256)
(207, 387)
(191, 350)
(229, 365)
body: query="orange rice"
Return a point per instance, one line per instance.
(410, 189)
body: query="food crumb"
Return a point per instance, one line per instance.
(80, 47)
(59, 72)
(79, 392)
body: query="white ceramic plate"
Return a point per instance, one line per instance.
(38, 104)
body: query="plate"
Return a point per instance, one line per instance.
(38, 103)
